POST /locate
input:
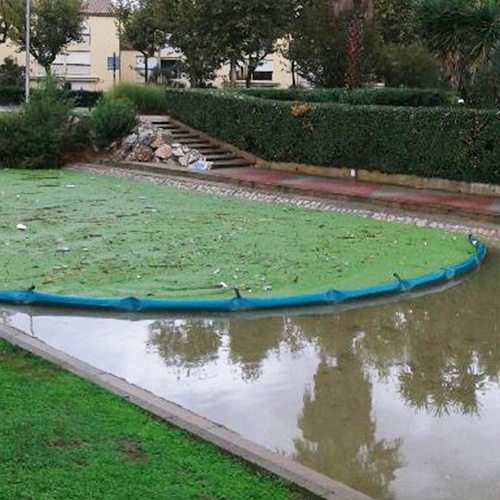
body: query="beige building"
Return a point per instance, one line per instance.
(83, 65)
(88, 64)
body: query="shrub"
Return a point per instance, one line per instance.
(11, 96)
(85, 98)
(148, 99)
(11, 74)
(112, 119)
(409, 66)
(38, 134)
(11, 137)
(451, 143)
(485, 90)
(364, 96)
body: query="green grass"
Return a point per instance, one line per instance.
(100, 236)
(64, 438)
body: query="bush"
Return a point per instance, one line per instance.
(11, 96)
(38, 136)
(112, 119)
(485, 90)
(11, 74)
(409, 66)
(85, 98)
(148, 99)
(364, 96)
(451, 143)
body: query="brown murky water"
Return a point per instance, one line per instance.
(400, 400)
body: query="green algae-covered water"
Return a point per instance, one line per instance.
(79, 234)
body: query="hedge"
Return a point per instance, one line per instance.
(13, 96)
(450, 143)
(365, 96)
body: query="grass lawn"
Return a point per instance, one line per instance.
(99, 236)
(63, 438)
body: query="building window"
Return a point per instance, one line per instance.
(86, 34)
(78, 63)
(264, 72)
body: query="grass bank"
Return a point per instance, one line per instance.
(64, 438)
(100, 236)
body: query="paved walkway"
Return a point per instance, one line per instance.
(381, 194)
(375, 194)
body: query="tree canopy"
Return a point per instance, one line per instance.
(54, 25)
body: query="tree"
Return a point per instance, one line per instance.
(54, 25)
(251, 29)
(397, 21)
(462, 34)
(5, 19)
(141, 29)
(318, 44)
(193, 29)
(358, 11)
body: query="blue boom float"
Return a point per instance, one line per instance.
(240, 304)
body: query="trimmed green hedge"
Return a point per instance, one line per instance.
(457, 144)
(13, 96)
(367, 96)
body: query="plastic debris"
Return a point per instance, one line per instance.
(21, 227)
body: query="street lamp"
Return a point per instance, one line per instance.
(27, 48)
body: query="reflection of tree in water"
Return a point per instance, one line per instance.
(185, 343)
(252, 341)
(337, 422)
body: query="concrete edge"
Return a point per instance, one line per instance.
(282, 467)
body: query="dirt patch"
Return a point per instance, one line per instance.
(62, 442)
(131, 449)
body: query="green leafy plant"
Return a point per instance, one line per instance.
(462, 34)
(409, 66)
(11, 74)
(37, 137)
(112, 119)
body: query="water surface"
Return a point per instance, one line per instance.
(400, 400)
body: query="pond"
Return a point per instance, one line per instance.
(400, 399)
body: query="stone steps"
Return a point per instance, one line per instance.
(218, 155)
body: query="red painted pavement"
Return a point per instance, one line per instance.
(357, 189)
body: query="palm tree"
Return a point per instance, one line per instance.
(359, 11)
(462, 33)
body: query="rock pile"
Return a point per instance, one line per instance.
(150, 144)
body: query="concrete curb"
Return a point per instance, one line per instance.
(282, 467)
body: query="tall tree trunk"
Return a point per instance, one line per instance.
(294, 79)
(355, 45)
(146, 69)
(249, 75)
(232, 73)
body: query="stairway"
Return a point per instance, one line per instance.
(218, 155)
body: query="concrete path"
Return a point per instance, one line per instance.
(383, 195)
(379, 194)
